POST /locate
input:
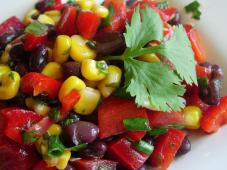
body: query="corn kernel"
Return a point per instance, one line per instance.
(55, 129)
(55, 15)
(101, 11)
(71, 83)
(44, 149)
(62, 48)
(192, 116)
(4, 58)
(149, 58)
(80, 50)
(111, 82)
(54, 70)
(28, 17)
(89, 99)
(44, 19)
(63, 160)
(94, 70)
(4, 69)
(86, 4)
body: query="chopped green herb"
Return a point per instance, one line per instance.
(55, 146)
(176, 126)
(203, 82)
(91, 44)
(104, 168)
(50, 2)
(194, 8)
(137, 124)
(71, 2)
(107, 20)
(55, 114)
(70, 120)
(28, 137)
(36, 28)
(163, 4)
(46, 136)
(156, 131)
(102, 67)
(78, 147)
(144, 147)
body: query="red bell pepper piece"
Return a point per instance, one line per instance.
(135, 135)
(196, 101)
(42, 165)
(69, 101)
(195, 42)
(94, 164)
(118, 19)
(124, 152)
(16, 157)
(203, 71)
(157, 118)
(67, 22)
(113, 111)
(166, 148)
(47, 5)
(87, 24)
(36, 83)
(32, 41)
(17, 120)
(215, 117)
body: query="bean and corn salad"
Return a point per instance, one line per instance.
(106, 85)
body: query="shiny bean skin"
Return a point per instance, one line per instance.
(148, 140)
(176, 20)
(185, 147)
(214, 92)
(38, 58)
(21, 68)
(206, 64)
(18, 54)
(217, 72)
(71, 68)
(42, 5)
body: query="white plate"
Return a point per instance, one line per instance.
(209, 152)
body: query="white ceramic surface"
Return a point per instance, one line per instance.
(209, 152)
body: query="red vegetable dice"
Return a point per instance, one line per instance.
(32, 41)
(47, 5)
(16, 120)
(135, 135)
(42, 165)
(67, 22)
(166, 148)
(113, 111)
(203, 71)
(124, 152)
(196, 101)
(94, 164)
(214, 117)
(87, 24)
(157, 118)
(36, 83)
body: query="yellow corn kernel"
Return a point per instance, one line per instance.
(54, 70)
(89, 99)
(9, 85)
(55, 129)
(149, 58)
(44, 19)
(111, 82)
(28, 17)
(192, 116)
(4, 58)
(44, 149)
(79, 50)
(92, 84)
(101, 11)
(86, 4)
(62, 48)
(55, 15)
(38, 144)
(94, 70)
(71, 83)
(4, 69)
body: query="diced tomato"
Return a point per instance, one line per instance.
(215, 117)
(113, 111)
(203, 71)
(42, 165)
(69, 101)
(47, 5)
(36, 83)
(195, 42)
(16, 157)
(135, 135)
(67, 23)
(124, 152)
(166, 147)
(118, 19)
(16, 120)
(31, 41)
(169, 12)
(94, 164)
(157, 118)
(87, 24)
(194, 100)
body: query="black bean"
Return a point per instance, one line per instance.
(70, 167)
(21, 68)
(95, 150)
(42, 5)
(80, 132)
(176, 20)
(18, 100)
(149, 140)
(71, 68)
(214, 89)
(185, 147)
(217, 72)
(38, 58)
(18, 54)
(110, 43)
(51, 31)
(206, 64)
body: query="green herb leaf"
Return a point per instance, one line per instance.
(36, 28)
(156, 131)
(176, 126)
(55, 114)
(50, 2)
(203, 82)
(106, 22)
(144, 147)
(194, 8)
(136, 124)
(55, 146)
(102, 67)
(78, 147)
(28, 137)
(163, 4)
(70, 120)
(121, 92)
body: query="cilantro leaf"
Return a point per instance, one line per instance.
(106, 21)
(154, 82)
(55, 146)
(36, 28)
(136, 124)
(163, 4)
(78, 147)
(194, 9)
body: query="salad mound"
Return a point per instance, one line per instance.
(104, 85)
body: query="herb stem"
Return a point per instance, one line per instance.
(109, 58)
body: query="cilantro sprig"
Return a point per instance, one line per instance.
(194, 8)
(156, 82)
